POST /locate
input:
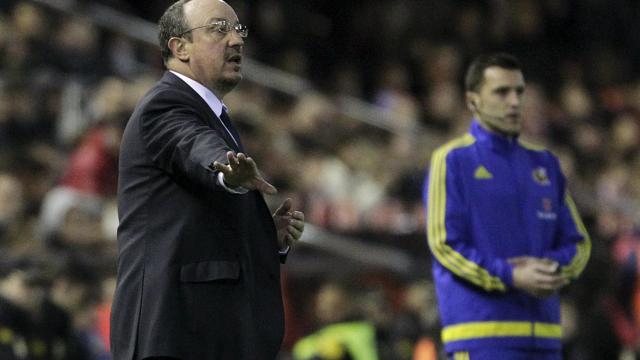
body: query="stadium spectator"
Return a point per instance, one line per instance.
(11, 209)
(69, 307)
(340, 334)
(24, 281)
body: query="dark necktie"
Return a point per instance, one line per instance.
(224, 117)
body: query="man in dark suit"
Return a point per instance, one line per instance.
(199, 251)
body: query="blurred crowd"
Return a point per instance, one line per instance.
(68, 87)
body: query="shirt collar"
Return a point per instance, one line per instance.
(495, 141)
(207, 95)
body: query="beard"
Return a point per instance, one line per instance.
(225, 85)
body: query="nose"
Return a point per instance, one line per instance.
(515, 99)
(235, 39)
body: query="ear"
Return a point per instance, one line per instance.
(472, 101)
(178, 47)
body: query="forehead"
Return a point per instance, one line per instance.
(200, 12)
(495, 76)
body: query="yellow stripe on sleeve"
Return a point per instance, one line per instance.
(583, 248)
(436, 224)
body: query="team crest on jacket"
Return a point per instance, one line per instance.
(547, 212)
(540, 176)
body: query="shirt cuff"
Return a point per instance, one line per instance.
(236, 190)
(284, 251)
(505, 273)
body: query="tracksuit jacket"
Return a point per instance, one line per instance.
(490, 198)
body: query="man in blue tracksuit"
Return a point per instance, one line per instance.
(502, 227)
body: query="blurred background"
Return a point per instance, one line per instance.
(341, 106)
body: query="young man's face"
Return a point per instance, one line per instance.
(497, 104)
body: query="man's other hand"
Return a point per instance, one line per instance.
(538, 277)
(290, 224)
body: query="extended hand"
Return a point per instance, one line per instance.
(536, 276)
(290, 224)
(243, 171)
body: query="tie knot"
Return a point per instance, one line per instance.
(224, 114)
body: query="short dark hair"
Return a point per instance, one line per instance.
(475, 73)
(37, 271)
(172, 23)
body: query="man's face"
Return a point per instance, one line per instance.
(498, 101)
(214, 57)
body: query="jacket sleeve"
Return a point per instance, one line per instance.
(179, 141)
(572, 246)
(448, 229)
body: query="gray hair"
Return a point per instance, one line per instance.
(172, 23)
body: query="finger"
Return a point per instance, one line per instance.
(561, 284)
(233, 160)
(284, 208)
(290, 240)
(544, 266)
(281, 221)
(552, 265)
(297, 224)
(517, 260)
(293, 231)
(241, 158)
(550, 282)
(299, 215)
(560, 281)
(287, 241)
(249, 164)
(218, 166)
(262, 185)
(549, 268)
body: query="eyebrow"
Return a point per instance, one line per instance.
(506, 88)
(213, 19)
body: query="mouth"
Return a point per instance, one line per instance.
(235, 59)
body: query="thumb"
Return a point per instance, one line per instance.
(518, 260)
(263, 186)
(549, 267)
(284, 208)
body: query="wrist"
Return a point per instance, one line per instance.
(230, 187)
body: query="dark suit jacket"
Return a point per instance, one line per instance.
(198, 267)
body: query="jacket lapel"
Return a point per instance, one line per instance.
(202, 108)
